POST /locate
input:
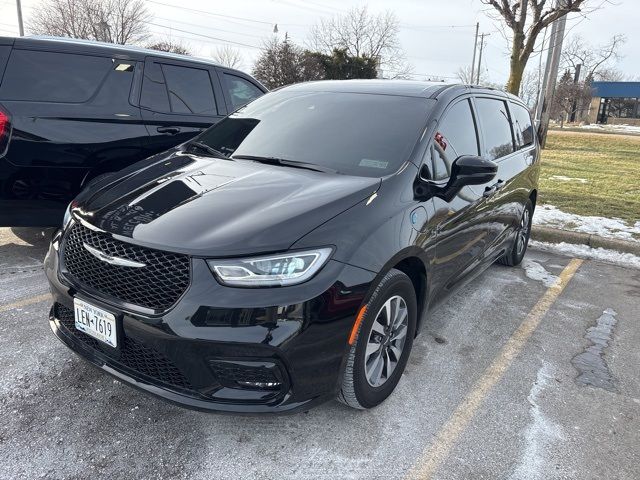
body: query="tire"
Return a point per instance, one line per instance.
(515, 253)
(359, 386)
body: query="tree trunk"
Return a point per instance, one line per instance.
(517, 64)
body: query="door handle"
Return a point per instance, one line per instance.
(169, 130)
(530, 157)
(491, 191)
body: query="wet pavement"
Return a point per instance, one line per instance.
(564, 404)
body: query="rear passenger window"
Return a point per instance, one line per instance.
(496, 128)
(154, 94)
(53, 77)
(241, 91)
(456, 136)
(190, 90)
(523, 127)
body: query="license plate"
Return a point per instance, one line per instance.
(95, 322)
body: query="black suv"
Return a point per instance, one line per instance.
(73, 110)
(288, 254)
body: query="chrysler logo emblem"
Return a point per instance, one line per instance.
(120, 262)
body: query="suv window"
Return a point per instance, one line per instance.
(53, 77)
(240, 91)
(496, 127)
(154, 94)
(456, 136)
(190, 90)
(523, 127)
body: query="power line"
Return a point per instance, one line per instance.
(210, 28)
(203, 35)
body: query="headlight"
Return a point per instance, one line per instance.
(67, 214)
(270, 270)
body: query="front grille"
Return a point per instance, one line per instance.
(157, 286)
(133, 354)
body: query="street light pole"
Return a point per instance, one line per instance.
(20, 26)
(482, 35)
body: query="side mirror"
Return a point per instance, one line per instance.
(471, 170)
(465, 170)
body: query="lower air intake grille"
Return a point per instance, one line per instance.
(134, 355)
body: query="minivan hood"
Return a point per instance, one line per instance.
(216, 207)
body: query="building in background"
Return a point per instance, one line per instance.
(616, 103)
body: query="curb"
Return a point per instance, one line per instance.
(555, 235)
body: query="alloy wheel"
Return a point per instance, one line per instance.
(523, 232)
(386, 341)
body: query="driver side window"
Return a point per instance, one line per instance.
(455, 136)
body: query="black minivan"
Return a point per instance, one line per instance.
(72, 110)
(290, 253)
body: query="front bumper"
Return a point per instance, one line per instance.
(226, 349)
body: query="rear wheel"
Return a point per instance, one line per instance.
(383, 343)
(515, 254)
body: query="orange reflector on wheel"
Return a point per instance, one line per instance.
(356, 325)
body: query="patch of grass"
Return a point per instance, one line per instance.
(611, 165)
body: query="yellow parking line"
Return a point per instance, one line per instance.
(25, 302)
(431, 458)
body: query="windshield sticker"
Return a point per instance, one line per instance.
(367, 162)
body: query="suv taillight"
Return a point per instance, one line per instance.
(5, 131)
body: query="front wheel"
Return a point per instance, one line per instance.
(515, 254)
(383, 343)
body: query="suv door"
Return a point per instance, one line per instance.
(463, 226)
(178, 100)
(498, 144)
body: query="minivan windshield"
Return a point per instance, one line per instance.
(351, 133)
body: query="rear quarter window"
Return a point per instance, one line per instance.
(522, 126)
(53, 77)
(240, 91)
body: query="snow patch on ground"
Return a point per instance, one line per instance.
(541, 433)
(564, 178)
(551, 216)
(612, 128)
(584, 251)
(535, 271)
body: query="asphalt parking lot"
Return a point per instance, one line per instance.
(512, 378)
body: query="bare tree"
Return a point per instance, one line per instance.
(610, 74)
(113, 21)
(361, 34)
(569, 94)
(228, 56)
(527, 19)
(530, 87)
(464, 75)
(594, 59)
(171, 46)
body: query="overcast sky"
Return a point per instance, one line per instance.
(437, 36)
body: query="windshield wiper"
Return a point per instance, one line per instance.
(285, 162)
(210, 150)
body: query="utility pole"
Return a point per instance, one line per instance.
(574, 104)
(20, 26)
(551, 75)
(482, 35)
(475, 47)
